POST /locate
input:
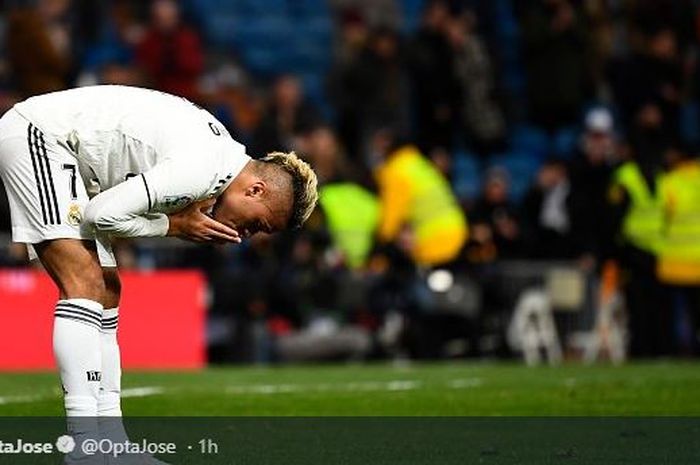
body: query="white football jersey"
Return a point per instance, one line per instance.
(117, 132)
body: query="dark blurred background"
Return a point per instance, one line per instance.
(471, 154)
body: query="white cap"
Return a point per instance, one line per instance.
(599, 120)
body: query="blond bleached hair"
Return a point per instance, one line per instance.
(304, 184)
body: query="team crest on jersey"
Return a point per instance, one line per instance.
(177, 201)
(75, 216)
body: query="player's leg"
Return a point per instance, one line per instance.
(109, 403)
(109, 399)
(74, 267)
(46, 198)
(110, 387)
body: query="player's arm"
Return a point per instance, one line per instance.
(135, 208)
(194, 224)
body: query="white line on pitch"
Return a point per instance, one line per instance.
(465, 383)
(142, 391)
(395, 385)
(133, 392)
(20, 399)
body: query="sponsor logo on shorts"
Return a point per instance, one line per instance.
(94, 376)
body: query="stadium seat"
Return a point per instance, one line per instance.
(264, 32)
(412, 10)
(256, 8)
(314, 89)
(305, 8)
(564, 142)
(261, 61)
(314, 28)
(531, 140)
(514, 82)
(466, 175)
(690, 123)
(221, 29)
(274, 36)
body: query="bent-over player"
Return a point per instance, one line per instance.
(84, 165)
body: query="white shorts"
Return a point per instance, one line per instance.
(45, 190)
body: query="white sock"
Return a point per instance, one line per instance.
(76, 346)
(109, 398)
(108, 401)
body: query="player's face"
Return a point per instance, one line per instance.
(250, 211)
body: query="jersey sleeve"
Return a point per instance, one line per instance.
(174, 184)
(139, 206)
(193, 167)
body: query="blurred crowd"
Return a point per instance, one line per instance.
(449, 134)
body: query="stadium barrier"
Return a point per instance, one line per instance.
(161, 324)
(478, 307)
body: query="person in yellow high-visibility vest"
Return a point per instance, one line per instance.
(679, 261)
(637, 221)
(352, 214)
(414, 193)
(641, 225)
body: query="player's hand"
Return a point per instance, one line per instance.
(193, 224)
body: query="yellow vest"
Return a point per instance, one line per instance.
(644, 220)
(680, 253)
(352, 214)
(432, 211)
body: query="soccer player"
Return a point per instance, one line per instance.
(84, 165)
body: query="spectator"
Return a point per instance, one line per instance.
(547, 214)
(378, 13)
(319, 330)
(636, 224)
(349, 210)
(676, 15)
(649, 139)
(352, 214)
(228, 93)
(39, 47)
(371, 91)
(287, 115)
(243, 292)
(110, 59)
(435, 89)
(480, 113)
(650, 81)
(554, 44)
(679, 257)
(324, 152)
(353, 33)
(591, 171)
(417, 198)
(171, 53)
(495, 224)
(117, 74)
(344, 85)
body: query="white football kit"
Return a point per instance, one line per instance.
(133, 154)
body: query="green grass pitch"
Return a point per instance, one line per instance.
(456, 388)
